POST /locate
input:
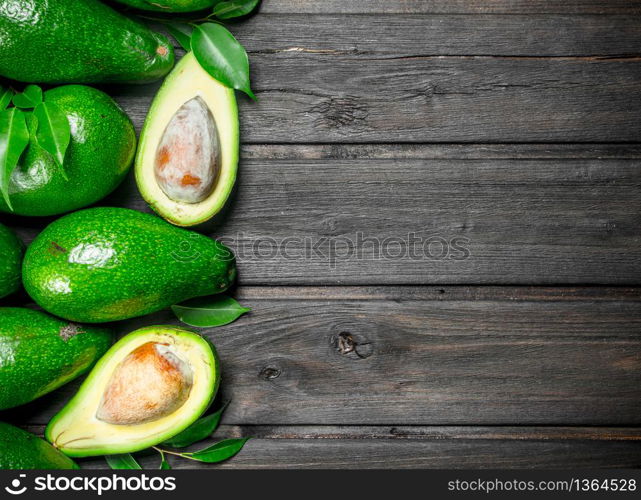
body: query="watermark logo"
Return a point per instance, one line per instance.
(15, 488)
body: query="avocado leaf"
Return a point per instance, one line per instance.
(29, 98)
(237, 8)
(199, 430)
(218, 452)
(54, 132)
(5, 97)
(122, 462)
(207, 312)
(164, 465)
(14, 138)
(220, 54)
(182, 33)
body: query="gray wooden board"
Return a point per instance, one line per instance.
(348, 447)
(424, 356)
(321, 98)
(429, 215)
(452, 6)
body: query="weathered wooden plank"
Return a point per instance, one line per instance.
(402, 356)
(452, 7)
(415, 35)
(416, 215)
(329, 98)
(419, 447)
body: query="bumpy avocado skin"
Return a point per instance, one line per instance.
(169, 5)
(108, 264)
(79, 41)
(102, 149)
(22, 450)
(11, 252)
(44, 352)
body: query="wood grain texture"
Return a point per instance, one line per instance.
(452, 7)
(429, 215)
(423, 356)
(351, 447)
(424, 35)
(323, 98)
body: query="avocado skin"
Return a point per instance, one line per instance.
(107, 264)
(79, 41)
(22, 450)
(170, 5)
(102, 148)
(45, 353)
(11, 252)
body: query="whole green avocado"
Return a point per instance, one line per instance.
(22, 450)
(170, 5)
(107, 264)
(11, 251)
(41, 353)
(102, 148)
(78, 41)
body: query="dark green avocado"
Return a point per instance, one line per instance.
(103, 144)
(170, 5)
(107, 264)
(40, 353)
(11, 251)
(78, 41)
(22, 450)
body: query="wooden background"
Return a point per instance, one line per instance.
(514, 126)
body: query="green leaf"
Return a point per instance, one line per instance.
(122, 462)
(164, 465)
(228, 10)
(5, 97)
(54, 132)
(220, 54)
(218, 452)
(182, 33)
(210, 311)
(199, 430)
(29, 98)
(14, 138)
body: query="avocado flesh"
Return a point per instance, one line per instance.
(11, 252)
(101, 151)
(170, 5)
(45, 353)
(22, 450)
(83, 428)
(108, 264)
(189, 87)
(79, 41)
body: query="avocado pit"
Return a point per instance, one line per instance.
(186, 163)
(150, 383)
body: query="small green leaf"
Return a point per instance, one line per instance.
(182, 33)
(29, 98)
(218, 452)
(164, 465)
(220, 54)
(5, 97)
(199, 430)
(14, 138)
(122, 462)
(54, 132)
(237, 8)
(210, 311)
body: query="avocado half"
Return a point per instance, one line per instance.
(150, 386)
(189, 146)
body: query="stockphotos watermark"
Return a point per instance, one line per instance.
(93, 484)
(336, 249)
